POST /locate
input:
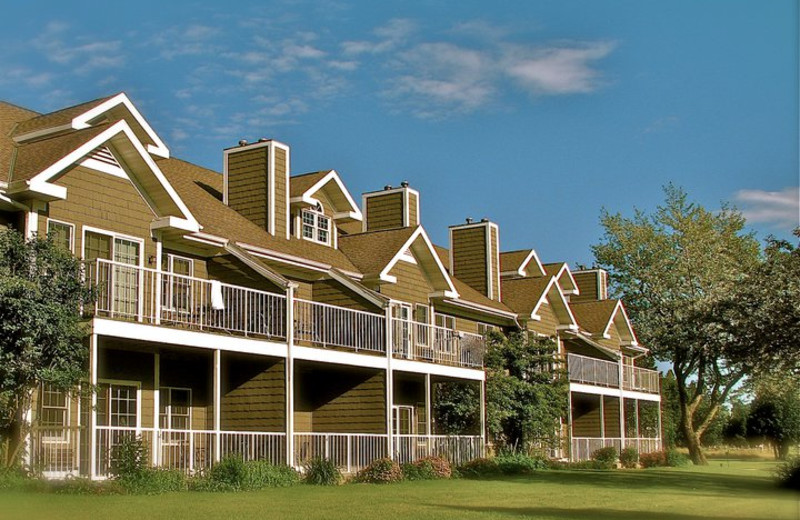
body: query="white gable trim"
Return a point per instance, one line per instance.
(611, 321)
(384, 275)
(573, 324)
(41, 183)
(574, 290)
(82, 121)
(308, 196)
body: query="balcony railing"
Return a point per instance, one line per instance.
(155, 297)
(584, 447)
(420, 341)
(599, 372)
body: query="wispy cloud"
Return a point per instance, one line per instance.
(185, 40)
(662, 124)
(80, 53)
(390, 36)
(779, 209)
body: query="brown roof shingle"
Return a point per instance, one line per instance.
(512, 260)
(298, 184)
(522, 294)
(57, 118)
(10, 116)
(372, 251)
(593, 316)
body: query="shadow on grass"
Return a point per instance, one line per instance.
(670, 481)
(589, 513)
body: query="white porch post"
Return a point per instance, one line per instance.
(483, 415)
(602, 419)
(217, 401)
(389, 385)
(158, 288)
(289, 376)
(569, 425)
(621, 404)
(93, 350)
(156, 407)
(428, 410)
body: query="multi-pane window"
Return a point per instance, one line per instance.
(175, 408)
(316, 226)
(177, 290)
(117, 405)
(54, 413)
(61, 233)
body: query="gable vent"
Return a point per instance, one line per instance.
(104, 155)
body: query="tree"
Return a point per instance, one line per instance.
(456, 407)
(672, 268)
(526, 391)
(41, 337)
(775, 413)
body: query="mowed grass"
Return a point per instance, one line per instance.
(731, 490)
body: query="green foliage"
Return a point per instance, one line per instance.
(153, 481)
(629, 457)
(788, 473)
(80, 486)
(519, 464)
(41, 337)
(322, 472)
(526, 395)
(129, 458)
(666, 458)
(234, 474)
(676, 459)
(13, 478)
(427, 468)
(606, 458)
(380, 471)
(456, 407)
(673, 268)
(479, 468)
(775, 413)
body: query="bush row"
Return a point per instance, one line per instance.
(384, 471)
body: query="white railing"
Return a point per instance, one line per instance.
(424, 342)
(350, 451)
(326, 325)
(640, 379)
(150, 296)
(584, 447)
(57, 452)
(584, 369)
(268, 446)
(458, 449)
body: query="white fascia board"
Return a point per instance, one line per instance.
(444, 294)
(542, 299)
(42, 132)
(307, 196)
(245, 257)
(82, 121)
(532, 256)
(353, 285)
(187, 338)
(613, 392)
(45, 189)
(120, 127)
(205, 238)
(574, 290)
(285, 258)
(571, 327)
(419, 367)
(482, 308)
(174, 223)
(418, 233)
(338, 357)
(553, 286)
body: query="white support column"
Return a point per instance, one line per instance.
(428, 410)
(32, 221)
(602, 419)
(156, 449)
(621, 403)
(217, 401)
(289, 375)
(483, 416)
(158, 288)
(569, 424)
(389, 385)
(93, 351)
(638, 433)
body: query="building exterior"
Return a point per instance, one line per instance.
(272, 316)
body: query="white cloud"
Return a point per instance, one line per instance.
(390, 36)
(563, 69)
(780, 209)
(84, 57)
(662, 124)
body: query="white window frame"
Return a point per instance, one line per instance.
(168, 295)
(179, 438)
(123, 382)
(114, 235)
(317, 215)
(71, 227)
(63, 438)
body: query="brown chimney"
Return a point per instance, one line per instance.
(592, 284)
(475, 256)
(256, 183)
(391, 208)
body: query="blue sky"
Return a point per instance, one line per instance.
(534, 114)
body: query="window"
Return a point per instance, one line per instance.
(117, 405)
(316, 226)
(175, 408)
(177, 290)
(54, 413)
(447, 322)
(62, 234)
(483, 328)
(422, 317)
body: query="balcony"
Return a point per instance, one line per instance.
(133, 293)
(599, 372)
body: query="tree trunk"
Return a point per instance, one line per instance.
(692, 438)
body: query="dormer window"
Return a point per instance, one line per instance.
(316, 226)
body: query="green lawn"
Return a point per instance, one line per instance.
(738, 489)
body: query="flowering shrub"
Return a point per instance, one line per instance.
(380, 471)
(629, 457)
(428, 468)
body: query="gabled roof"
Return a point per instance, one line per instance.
(10, 116)
(527, 295)
(524, 262)
(377, 252)
(104, 110)
(306, 187)
(562, 273)
(597, 317)
(202, 190)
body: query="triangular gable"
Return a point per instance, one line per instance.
(619, 318)
(141, 170)
(523, 264)
(331, 185)
(555, 297)
(115, 108)
(422, 249)
(564, 277)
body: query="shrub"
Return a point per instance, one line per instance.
(153, 481)
(628, 457)
(380, 471)
(229, 474)
(605, 458)
(676, 459)
(261, 474)
(81, 486)
(671, 457)
(12, 478)
(519, 464)
(428, 468)
(129, 458)
(322, 472)
(788, 473)
(479, 468)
